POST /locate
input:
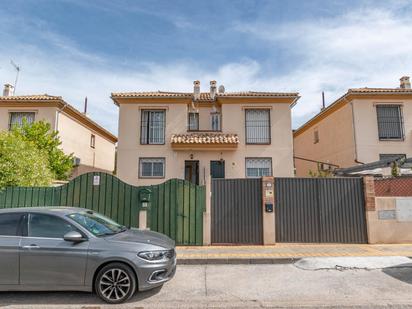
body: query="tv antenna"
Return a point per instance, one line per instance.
(17, 68)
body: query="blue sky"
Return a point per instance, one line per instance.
(90, 48)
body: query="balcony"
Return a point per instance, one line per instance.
(204, 141)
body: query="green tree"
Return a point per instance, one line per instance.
(22, 163)
(47, 140)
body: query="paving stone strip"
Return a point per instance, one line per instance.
(284, 253)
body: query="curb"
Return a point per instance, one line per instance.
(236, 261)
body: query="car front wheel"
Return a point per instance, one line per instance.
(115, 283)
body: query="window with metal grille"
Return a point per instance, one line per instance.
(258, 167)
(16, 118)
(152, 127)
(215, 121)
(257, 126)
(152, 168)
(193, 124)
(390, 122)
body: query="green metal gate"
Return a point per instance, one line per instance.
(176, 206)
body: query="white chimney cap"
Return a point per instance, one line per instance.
(405, 83)
(8, 90)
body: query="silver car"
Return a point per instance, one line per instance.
(75, 249)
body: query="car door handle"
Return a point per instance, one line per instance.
(31, 247)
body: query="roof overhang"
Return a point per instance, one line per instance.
(187, 98)
(63, 106)
(345, 99)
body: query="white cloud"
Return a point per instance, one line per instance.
(360, 48)
(366, 47)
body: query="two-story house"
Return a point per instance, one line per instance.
(362, 126)
(165, 135)
(92, 146)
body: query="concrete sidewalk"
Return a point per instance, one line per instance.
(284, 253)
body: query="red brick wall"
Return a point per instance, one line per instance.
(401, 186)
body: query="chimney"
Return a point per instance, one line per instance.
(85, 106)
(221, 89)
(405, 82)
(213, 89)
(8, 90)
(196, 90)
(323, 101)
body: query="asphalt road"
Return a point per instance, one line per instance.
(310, 283)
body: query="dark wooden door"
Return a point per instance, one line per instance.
(192, 171)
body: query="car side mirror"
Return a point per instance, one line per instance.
(73, 236)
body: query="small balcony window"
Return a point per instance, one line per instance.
(215, 121)
(193, 119)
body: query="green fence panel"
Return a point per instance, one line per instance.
(175, 208)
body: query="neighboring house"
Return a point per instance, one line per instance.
(92, 145)
(165, 135)
(363, 126)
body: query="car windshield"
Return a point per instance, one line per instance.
(97, 224)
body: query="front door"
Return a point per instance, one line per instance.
(217, 169)
(192, 171)
(9, 247)
(46, 258)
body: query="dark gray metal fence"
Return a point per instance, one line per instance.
(328, 210)
(237, 211)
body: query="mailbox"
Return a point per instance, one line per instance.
(145, 197)
(269, 207)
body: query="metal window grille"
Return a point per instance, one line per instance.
(258, 167)
(152, 167)
(193, 121)
(390, 122)
(258, 126)
(16, 118)
(152, 127)
(215, 119)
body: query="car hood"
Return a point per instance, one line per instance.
(143, 236)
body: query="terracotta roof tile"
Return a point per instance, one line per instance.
(203, 95)
(205, 138)
(40, 97)
(379, 90)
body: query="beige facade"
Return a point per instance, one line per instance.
(231, 106)
(75, 130)
(387, 223)
(348, 131)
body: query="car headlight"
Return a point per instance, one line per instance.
(160, 255)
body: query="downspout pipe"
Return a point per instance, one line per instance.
(354, 131)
